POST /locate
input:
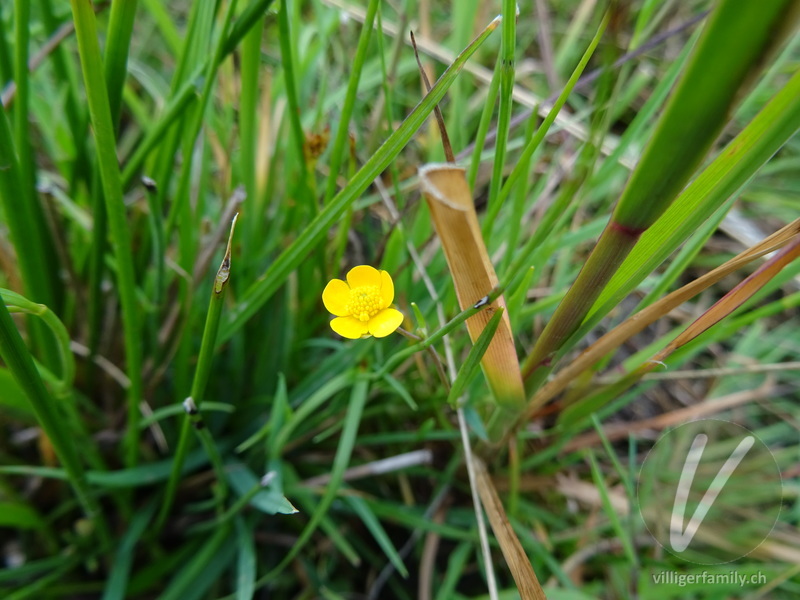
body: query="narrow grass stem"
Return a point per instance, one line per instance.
(358, 399)
(248, 129)
(201, 376)
(6, 66)
(22, 13)
(520, 168)
(343, 128)
(213, 453)
(293, 102)
(437, 335)
(21, 208)
(721, 68)
(662, 172)
(506, 73)
(17, 303)
(179, 208)
(483, 129)
(20, 219)
(234, 509)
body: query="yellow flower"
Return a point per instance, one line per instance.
(362, 305)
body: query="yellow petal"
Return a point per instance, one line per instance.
(364, 275)
(387, 289)
(335, 297)
(385, 322)
(349, 327)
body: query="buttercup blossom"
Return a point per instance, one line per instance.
(362, 305)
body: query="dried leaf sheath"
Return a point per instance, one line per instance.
(453, 212)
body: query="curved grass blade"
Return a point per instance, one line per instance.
(19, 361)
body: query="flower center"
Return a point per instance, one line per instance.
(365, 302)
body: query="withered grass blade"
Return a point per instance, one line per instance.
(453, 212)
(733, 299)
(518, 563)
(637, 322)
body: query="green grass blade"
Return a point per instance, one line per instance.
(188, 92)
(21, 206)
(120, 29)
(246, 561)
(21, 220)
(248, 130)
(293, 102)
(17, 303)
(719, 71)
(18, 515)
(22, 13)
(6, 64)
(608, 509)
(520, 169)
(247, 486)
(160, 14)
(456, 564)
(117, 582)
(358, 398)
(193, 579)
(100, 113)
(143, 475)
(470, 368)
(483, 128)
(308, 407)
(374, 526)
(45, 282)
(74, 112)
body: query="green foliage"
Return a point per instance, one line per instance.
(133, 133)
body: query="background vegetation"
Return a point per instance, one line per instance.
(132, 134)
